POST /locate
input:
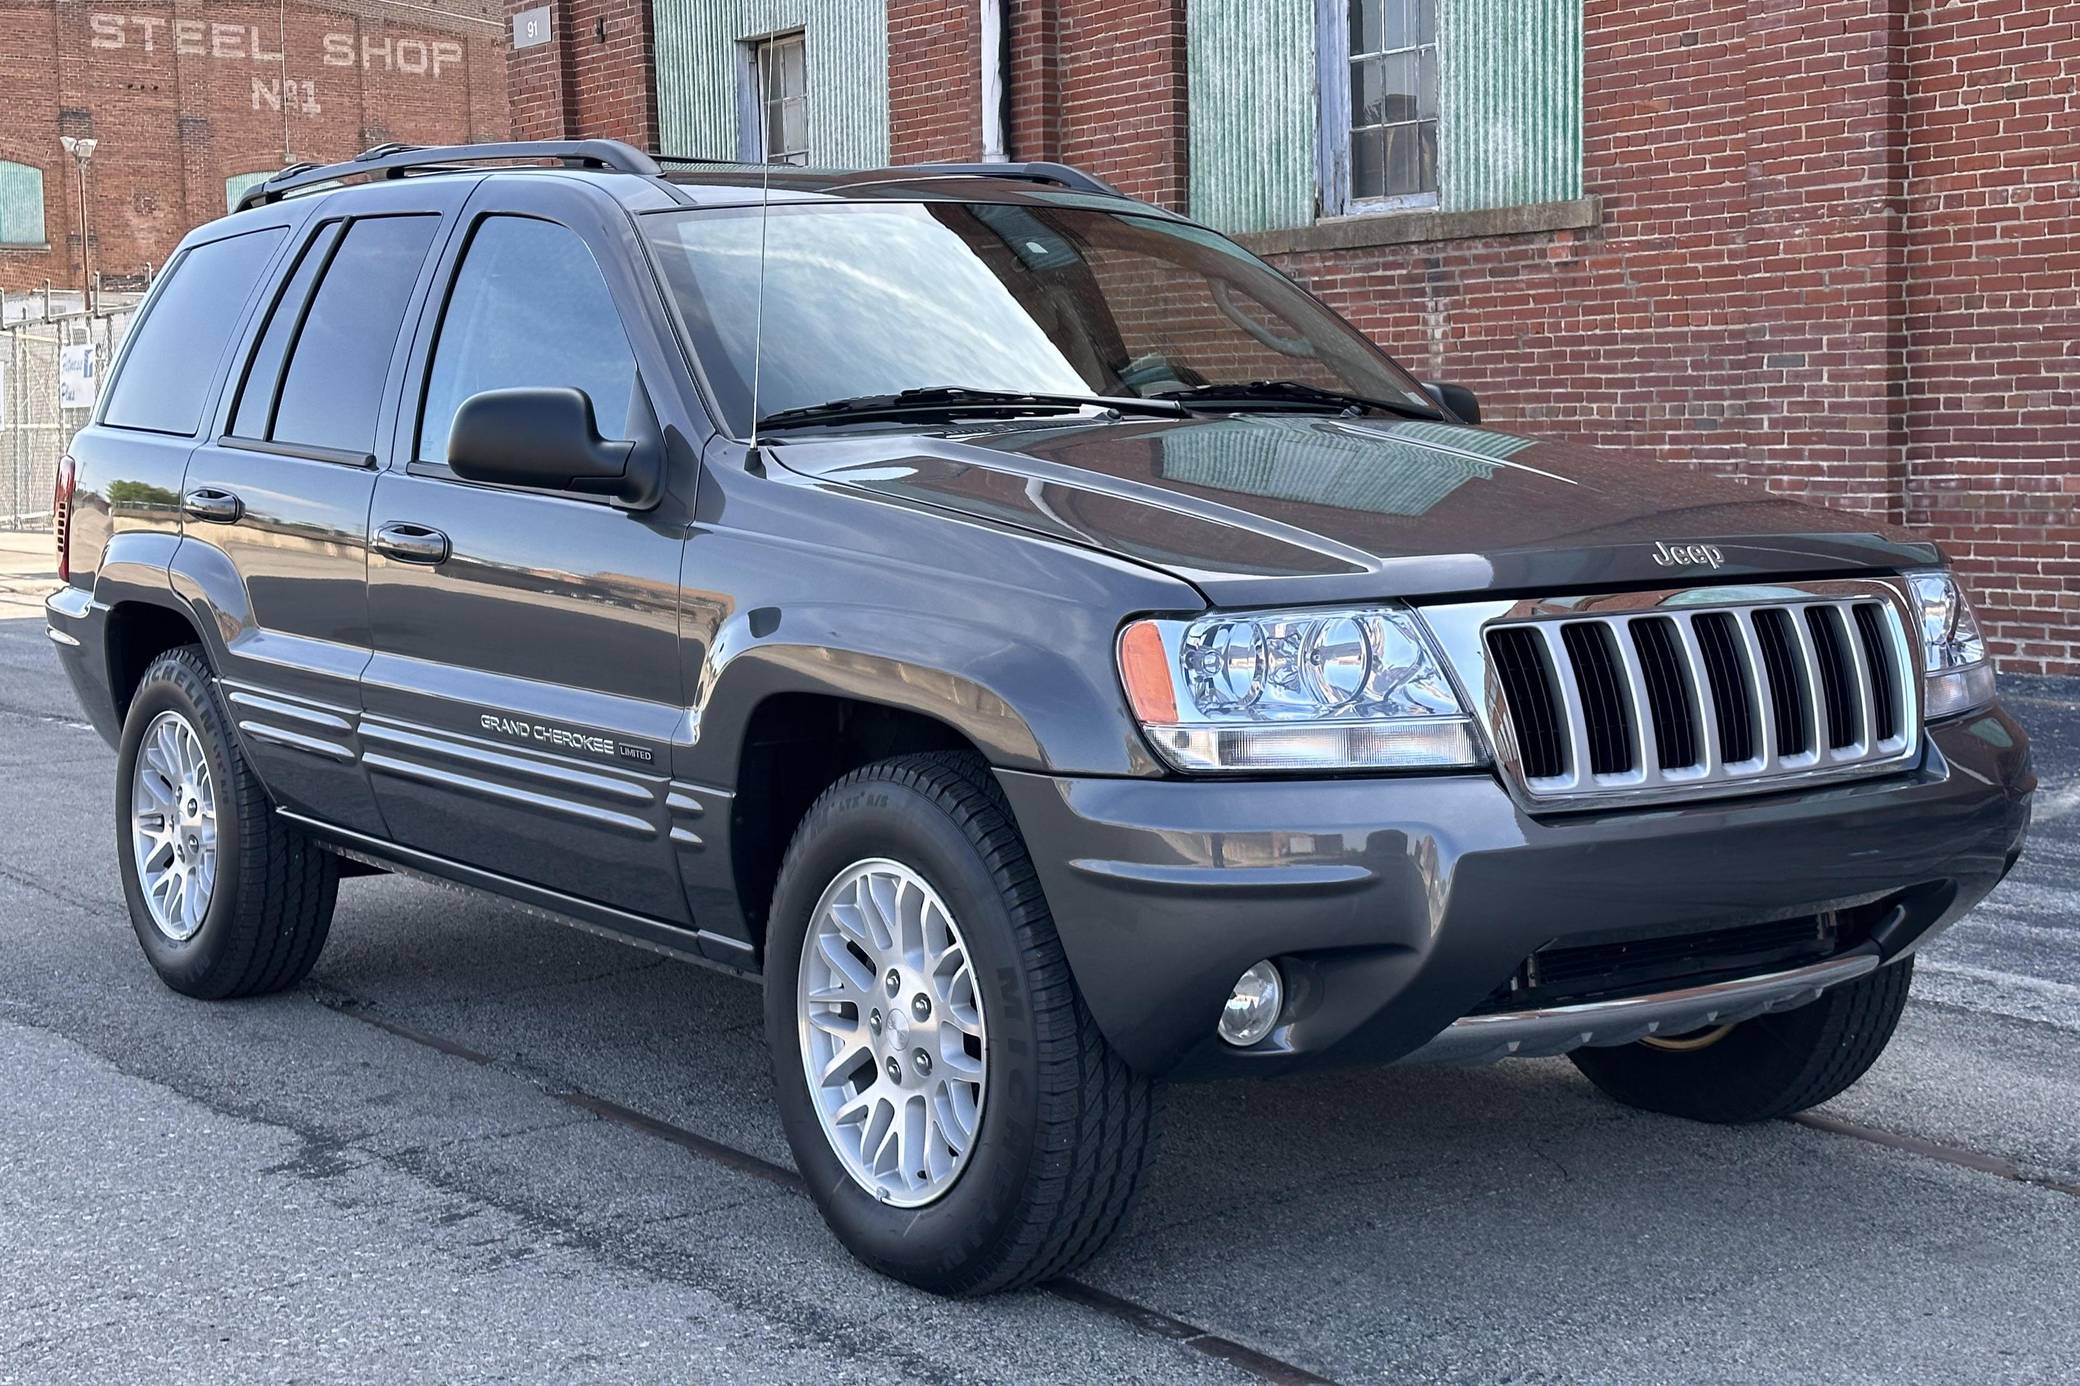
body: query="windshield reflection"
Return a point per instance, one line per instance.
(865, 299)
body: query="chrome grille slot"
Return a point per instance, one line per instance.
(1713, 691)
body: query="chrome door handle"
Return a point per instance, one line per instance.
(410, 543)
(209, 503)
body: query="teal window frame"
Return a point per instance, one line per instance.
(22, 210)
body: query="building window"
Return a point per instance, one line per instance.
(1379, 86)
(235, 186)
(21, 205)
(773, 101)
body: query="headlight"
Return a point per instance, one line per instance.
(1958, 676)
(1357, 689)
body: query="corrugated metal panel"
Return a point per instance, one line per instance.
(1251, 66)
(1511, 133)
(21, 205)
(847, 50)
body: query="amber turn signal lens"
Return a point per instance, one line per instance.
(1145, 669)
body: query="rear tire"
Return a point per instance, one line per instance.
(1768, 1067)
(264, 903)
(1065, 1127)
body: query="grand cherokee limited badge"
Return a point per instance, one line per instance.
(1688, 555)
(525, 730)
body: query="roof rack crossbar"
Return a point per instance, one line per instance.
(393, 160)
(1061, 175)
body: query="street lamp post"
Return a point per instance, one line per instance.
(82, 149)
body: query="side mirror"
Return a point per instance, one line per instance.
(546, 438)
(1457, 400)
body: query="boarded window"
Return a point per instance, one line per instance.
(21, 205)
(235, 186)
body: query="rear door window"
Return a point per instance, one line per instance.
(332, 388)
(529, 308)
(256, 399)
(167, 372)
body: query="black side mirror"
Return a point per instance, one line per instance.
(1457, 401)
(546, 437)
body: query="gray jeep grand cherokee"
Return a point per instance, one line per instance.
(1048, 646)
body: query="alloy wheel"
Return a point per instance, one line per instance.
(893, 1036)
(173, 826)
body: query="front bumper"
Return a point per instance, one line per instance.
(1395, 905)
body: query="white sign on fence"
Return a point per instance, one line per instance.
(76, 376)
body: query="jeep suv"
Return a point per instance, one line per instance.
(1051, 649)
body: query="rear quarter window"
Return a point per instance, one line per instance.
(166, 373)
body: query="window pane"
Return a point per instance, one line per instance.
(792, 75)
(169, 368)
(1411, 159)
(250, 421)
(794, 126)
(1368, 163)
(529, 307)
(1400, 28)
(334, 386)
(1366, 25)
(1368, 92)
(1398, 86)
(1426, 95)
(1425, 22)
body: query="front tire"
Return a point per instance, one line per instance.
(1045, 1131)
(1760, 1069)
(226, 898)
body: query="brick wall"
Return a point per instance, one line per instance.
(934, 81)
(182, 95)
(1992, 325)
(594, 76)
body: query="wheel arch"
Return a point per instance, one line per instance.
(795, 744)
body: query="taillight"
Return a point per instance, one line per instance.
(61, 515)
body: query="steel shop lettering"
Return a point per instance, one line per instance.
(251, 43)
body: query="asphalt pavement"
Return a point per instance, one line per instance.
(477, 1146)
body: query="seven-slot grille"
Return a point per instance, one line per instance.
(1670, 698)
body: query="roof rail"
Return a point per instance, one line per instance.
(1061, 175)
(395, 160)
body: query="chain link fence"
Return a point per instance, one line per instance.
(51, 373)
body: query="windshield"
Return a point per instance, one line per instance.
(872, 299)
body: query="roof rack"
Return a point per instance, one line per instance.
(1061, 175)
(395, 160)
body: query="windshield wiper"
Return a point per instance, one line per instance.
(952, 400)
(1292, 392)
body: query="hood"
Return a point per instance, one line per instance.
(1282, 509)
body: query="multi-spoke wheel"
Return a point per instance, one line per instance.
(173, 826)
(227, 899)
(955, 1113)
(892, 1032)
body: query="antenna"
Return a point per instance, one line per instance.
(758, 315)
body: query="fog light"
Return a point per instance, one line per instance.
(1254, 1005)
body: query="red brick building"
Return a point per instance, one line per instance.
(188, 102)
(1832, 247)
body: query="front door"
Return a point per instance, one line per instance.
(525, 687)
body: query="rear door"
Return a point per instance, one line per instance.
(525, 689)
(275, 503)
